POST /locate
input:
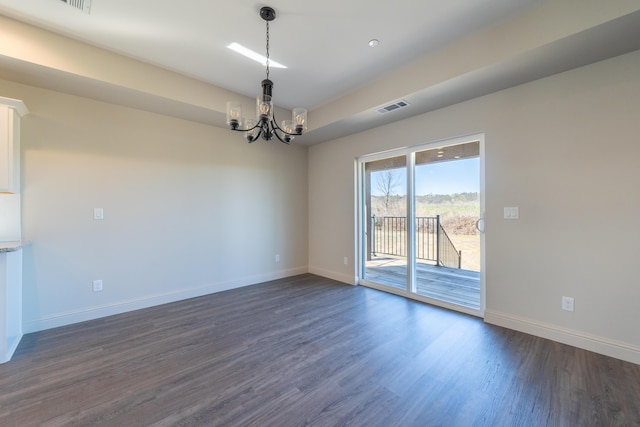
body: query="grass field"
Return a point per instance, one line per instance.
(470, 247)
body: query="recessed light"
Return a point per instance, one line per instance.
(244, 51)
(374, 42)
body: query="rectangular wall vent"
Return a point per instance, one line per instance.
(83, 5)
(394, 106)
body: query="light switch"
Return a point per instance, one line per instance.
(98, 213)
(511, 213)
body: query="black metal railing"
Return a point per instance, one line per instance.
(389, 237)
(448, 255)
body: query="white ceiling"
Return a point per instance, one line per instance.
(324, 45)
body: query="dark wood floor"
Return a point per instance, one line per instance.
(453, 285)
(308, 351)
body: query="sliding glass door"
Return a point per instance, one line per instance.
(420, 214)
(447, 201)
(386, 221)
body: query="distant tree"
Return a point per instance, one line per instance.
(437, 199)
(387, 183)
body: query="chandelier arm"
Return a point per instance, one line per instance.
(251, 139)
(275, 132)
(245, 130)
(274, 125)
(280, 139)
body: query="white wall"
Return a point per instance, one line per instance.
(189, 208)
(565, 150)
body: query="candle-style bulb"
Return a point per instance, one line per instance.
(234, 114)
(299, 116)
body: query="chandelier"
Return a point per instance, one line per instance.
(265, 124)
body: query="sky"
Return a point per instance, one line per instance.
(457, 176)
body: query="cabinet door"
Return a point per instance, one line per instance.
(7, 151)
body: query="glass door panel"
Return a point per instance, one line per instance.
(447, 207)
(385, 220)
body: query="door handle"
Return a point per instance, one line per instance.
(480, 224)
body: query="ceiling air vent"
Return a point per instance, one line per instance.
(83, 5)
(394, 106)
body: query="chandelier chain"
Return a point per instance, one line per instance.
(267, 50)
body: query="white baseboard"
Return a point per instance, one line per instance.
(344, 278)
(67, 318)
(597, 344)
(11, 348)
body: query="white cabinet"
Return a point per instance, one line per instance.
(11, 110)
(10, 303)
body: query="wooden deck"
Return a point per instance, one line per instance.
(455, 286)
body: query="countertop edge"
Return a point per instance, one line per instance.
(11, 246)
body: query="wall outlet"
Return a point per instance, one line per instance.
(97, 286)
(277, 257)
(98, 213)
(567, 303)
(346, 261)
